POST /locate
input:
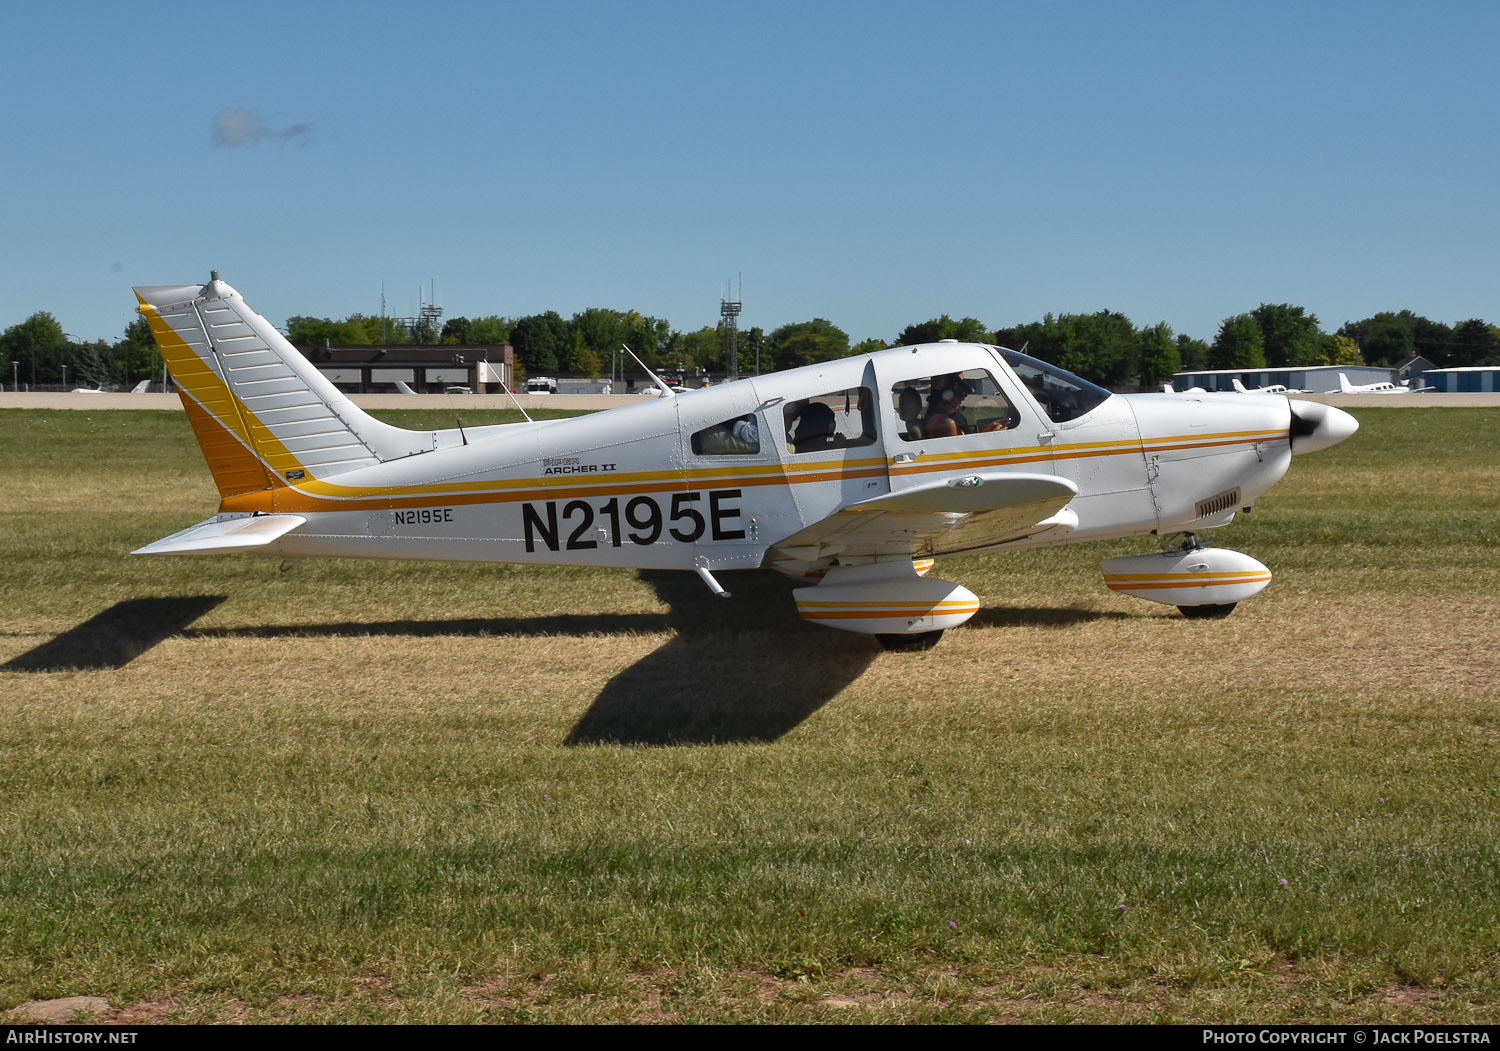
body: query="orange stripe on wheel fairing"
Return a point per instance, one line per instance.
(882, 614)
(1206, 582)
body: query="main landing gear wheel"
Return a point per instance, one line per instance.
(909, 643)
(1213, 611)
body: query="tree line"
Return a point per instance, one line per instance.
(1105, 346)
(37, 352)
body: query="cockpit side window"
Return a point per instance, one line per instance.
(951, 404)
(837, 420)
(737, 437)
(1062, 395)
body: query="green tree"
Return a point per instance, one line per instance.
(602, 328)
(1389, 338)
(38, 347)
(752, 349)
(967, 330)
(606, 330)
(92, 361)
(1338, 350)
(1158, 355)
(1238, 345)
(1475, 342)
(806, 342)
(586, 362)
(868, 346)
(703, 349)
(456, 331)
(135, 354)
(651, 338)
(371, 329)
(489, 331)
(1102, 346)
(543, 342)
(316, 331)
(1193, 352)
(1289, 335)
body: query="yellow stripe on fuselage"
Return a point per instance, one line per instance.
(318, 495)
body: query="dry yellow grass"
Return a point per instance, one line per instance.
(372, 791)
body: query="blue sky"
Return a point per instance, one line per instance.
(875, 163)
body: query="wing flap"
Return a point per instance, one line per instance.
(221, 535)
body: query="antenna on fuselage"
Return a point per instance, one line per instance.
(667, 391)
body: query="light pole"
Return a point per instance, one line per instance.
(72, 348)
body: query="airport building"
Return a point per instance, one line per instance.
(1473, 379)
(1318, 379)
(424, 368)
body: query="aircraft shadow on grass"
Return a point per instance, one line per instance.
(1024, 617)
(116, 636)
(743, 669)
(740, 669)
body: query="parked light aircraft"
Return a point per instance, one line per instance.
(1270, 388)
(1386, 387)
(851, 475)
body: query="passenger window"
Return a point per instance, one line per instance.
(840, 420)
(737, 437)
(951, 404)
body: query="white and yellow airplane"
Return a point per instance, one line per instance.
(852, 475)
(1383, 387)
(1270, 388)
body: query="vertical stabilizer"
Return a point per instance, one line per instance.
(263, 414)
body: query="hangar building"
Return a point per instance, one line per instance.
(1472, 379)
(1316, 378)
(427, 369)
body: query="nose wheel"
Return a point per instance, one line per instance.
(1213, 611)
(908, 643)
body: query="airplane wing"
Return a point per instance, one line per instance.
(940, 518)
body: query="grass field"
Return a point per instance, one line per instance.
(360, 791)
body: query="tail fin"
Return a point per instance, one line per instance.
(1238, 386)
(1345, 387)
(264, 416)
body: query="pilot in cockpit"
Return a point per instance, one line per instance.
(945, 416)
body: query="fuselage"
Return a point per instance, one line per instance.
(667, 484)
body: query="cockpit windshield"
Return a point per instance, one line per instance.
(1062, 395)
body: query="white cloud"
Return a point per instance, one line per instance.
(237, 126)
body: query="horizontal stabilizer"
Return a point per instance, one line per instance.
(218, 536)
